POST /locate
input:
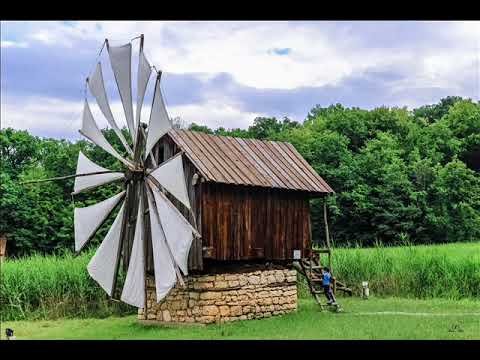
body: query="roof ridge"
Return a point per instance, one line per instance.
(232, 137)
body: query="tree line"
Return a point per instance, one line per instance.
(399, 175)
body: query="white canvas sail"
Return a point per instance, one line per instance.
(159, 123)
(171, 233)
(97, 88)
(164, 267)
(86, 166)
(121, 60)
(133, 292)
(102, 266)
(144, 72)
(91, 131)
(171, 176)
(176, 228)
(88, 219)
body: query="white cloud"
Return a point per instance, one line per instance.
(214, 114)
(53, 117)
(42, 116)
(466, 31)
(12, 44)
(320, 55)
(243, 51)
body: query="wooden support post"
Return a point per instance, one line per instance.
(123, 234)
(139, 157)
(132, 199)
(132, 204)
(145, 246)
(327, 233)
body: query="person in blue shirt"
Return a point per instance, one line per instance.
(327, 288)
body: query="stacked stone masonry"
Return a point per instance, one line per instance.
(225, 297)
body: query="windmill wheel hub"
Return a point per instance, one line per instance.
(134, 175)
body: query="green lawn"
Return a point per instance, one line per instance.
(376, 318)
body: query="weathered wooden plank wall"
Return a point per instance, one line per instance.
(244, 223)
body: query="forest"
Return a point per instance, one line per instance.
(400, 176)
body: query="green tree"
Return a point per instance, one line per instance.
(200, 128)
(397, 174)
(454, 212)
(435, 112)
(39, 217)
(18, 150)
(265, 127)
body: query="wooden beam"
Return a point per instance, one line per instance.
(130, 213)
(66, 177)
(327, 233)
(122, 237)
(143, 196)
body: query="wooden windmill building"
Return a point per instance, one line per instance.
(250, 198)
(190, 203)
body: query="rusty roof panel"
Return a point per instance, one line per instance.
(230, 160)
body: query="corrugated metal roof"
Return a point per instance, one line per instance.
(239, 161)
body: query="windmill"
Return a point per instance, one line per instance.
(143, 205)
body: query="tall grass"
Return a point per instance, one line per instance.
(447, 271)
(49, 287)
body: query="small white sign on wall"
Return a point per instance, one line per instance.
(297, 254)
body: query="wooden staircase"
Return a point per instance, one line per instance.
(311, 268)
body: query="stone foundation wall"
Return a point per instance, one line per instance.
(225, 297)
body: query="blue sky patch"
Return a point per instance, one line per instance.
(280, 51)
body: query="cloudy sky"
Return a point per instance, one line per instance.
(227, 73)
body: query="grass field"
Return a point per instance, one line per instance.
(426, 271)
(389, 318)
(56, 286)
(49, 287)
